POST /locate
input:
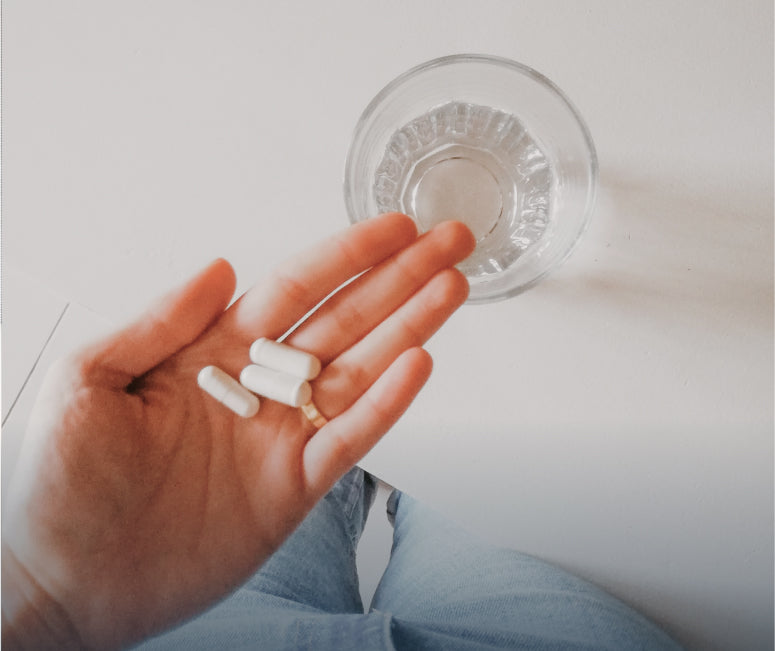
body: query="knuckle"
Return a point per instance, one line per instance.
(348, 317)
(348, 253)
(410, 334)
(292, 289)
(383, 414)
(355, 376)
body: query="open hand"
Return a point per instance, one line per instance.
(139, 500)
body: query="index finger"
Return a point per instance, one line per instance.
(271, 308)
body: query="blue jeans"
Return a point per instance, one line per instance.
(442, 589)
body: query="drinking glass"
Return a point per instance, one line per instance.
(487, 141)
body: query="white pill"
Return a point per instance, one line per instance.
(226, 390)
(282, 357)
(276, 385)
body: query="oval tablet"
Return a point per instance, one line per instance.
(276, 385)
(285, 358)
(226, 390)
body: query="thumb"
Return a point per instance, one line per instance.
(171, 323)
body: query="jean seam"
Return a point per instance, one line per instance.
(387, 630)
(354, 497)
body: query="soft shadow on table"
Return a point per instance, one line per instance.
(671, 254)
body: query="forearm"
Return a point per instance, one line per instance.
(32, 619)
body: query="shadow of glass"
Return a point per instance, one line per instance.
(660, 252)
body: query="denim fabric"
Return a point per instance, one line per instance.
(443, 589)
(446, 589)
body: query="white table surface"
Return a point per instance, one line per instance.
(618, 418)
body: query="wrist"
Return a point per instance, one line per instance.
(32, 618)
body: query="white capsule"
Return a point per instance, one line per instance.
(276, 385)
(282, 357)
(226, 390)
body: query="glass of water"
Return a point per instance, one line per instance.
(486, 141)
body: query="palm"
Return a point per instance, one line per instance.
(171, 499)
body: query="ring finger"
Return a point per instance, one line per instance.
(347, 377)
